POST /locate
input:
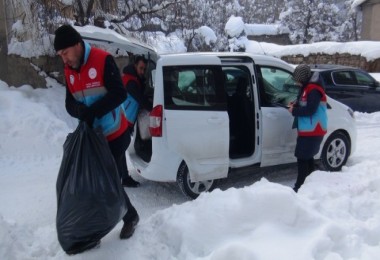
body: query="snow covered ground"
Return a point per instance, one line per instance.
(334, 216)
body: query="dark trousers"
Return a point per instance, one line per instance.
(118, 148)
(305, 167)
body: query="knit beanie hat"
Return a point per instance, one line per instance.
(302, 73)
(66, 36)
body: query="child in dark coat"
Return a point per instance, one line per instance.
(310, 113)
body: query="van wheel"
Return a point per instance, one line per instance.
(335, 152)
(189, 188)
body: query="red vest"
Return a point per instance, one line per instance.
(316, 124)
(87, 86)
(127, 77)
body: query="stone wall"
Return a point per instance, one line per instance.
(341, 59)
(21, 71)
(281, 39)
(17, 71)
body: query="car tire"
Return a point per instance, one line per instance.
(192, 189)
(335, 151)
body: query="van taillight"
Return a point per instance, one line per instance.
(155, 121)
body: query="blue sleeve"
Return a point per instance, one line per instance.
(313, 100)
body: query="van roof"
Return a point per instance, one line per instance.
(108, 37)
(258, 58)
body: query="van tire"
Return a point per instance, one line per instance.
(335, 152)
(192, 189)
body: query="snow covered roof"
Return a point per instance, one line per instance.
(265, 29)
(235, 26)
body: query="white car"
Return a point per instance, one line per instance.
(215, 113)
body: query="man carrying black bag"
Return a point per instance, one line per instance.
(94, 94)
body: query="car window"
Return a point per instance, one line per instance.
(363, 79)
(194, 87)
(277, 87)
(237, 79)
(343, 78)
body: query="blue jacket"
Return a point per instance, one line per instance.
(311, 112)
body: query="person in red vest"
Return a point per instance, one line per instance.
(310, 119)
(133, 80)
(94, 94)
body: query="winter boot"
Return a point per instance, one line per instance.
(129, 226)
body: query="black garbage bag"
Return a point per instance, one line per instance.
(90, 198)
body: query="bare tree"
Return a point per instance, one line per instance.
(145, 13)
(84, 10)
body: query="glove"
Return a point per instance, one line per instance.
(86, 114)
(80, 111)
(89, 117)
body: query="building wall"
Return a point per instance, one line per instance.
(371, 20)
(375, 28)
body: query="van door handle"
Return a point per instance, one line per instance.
(215, 120)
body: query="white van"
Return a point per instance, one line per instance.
(214, 113)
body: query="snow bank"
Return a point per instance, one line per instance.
(28, 114)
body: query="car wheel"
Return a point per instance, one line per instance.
(189, 188)
(335, 152)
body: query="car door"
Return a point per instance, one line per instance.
(277, 89)
(243, 110)
(343, 86)
(195, 114)
(368, 91)
(352, 88)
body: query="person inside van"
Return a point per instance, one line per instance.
(310, 119)
(134, 82)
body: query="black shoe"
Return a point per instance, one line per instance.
(129, 182)
(129, 227)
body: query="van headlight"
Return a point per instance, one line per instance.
(351, 112)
